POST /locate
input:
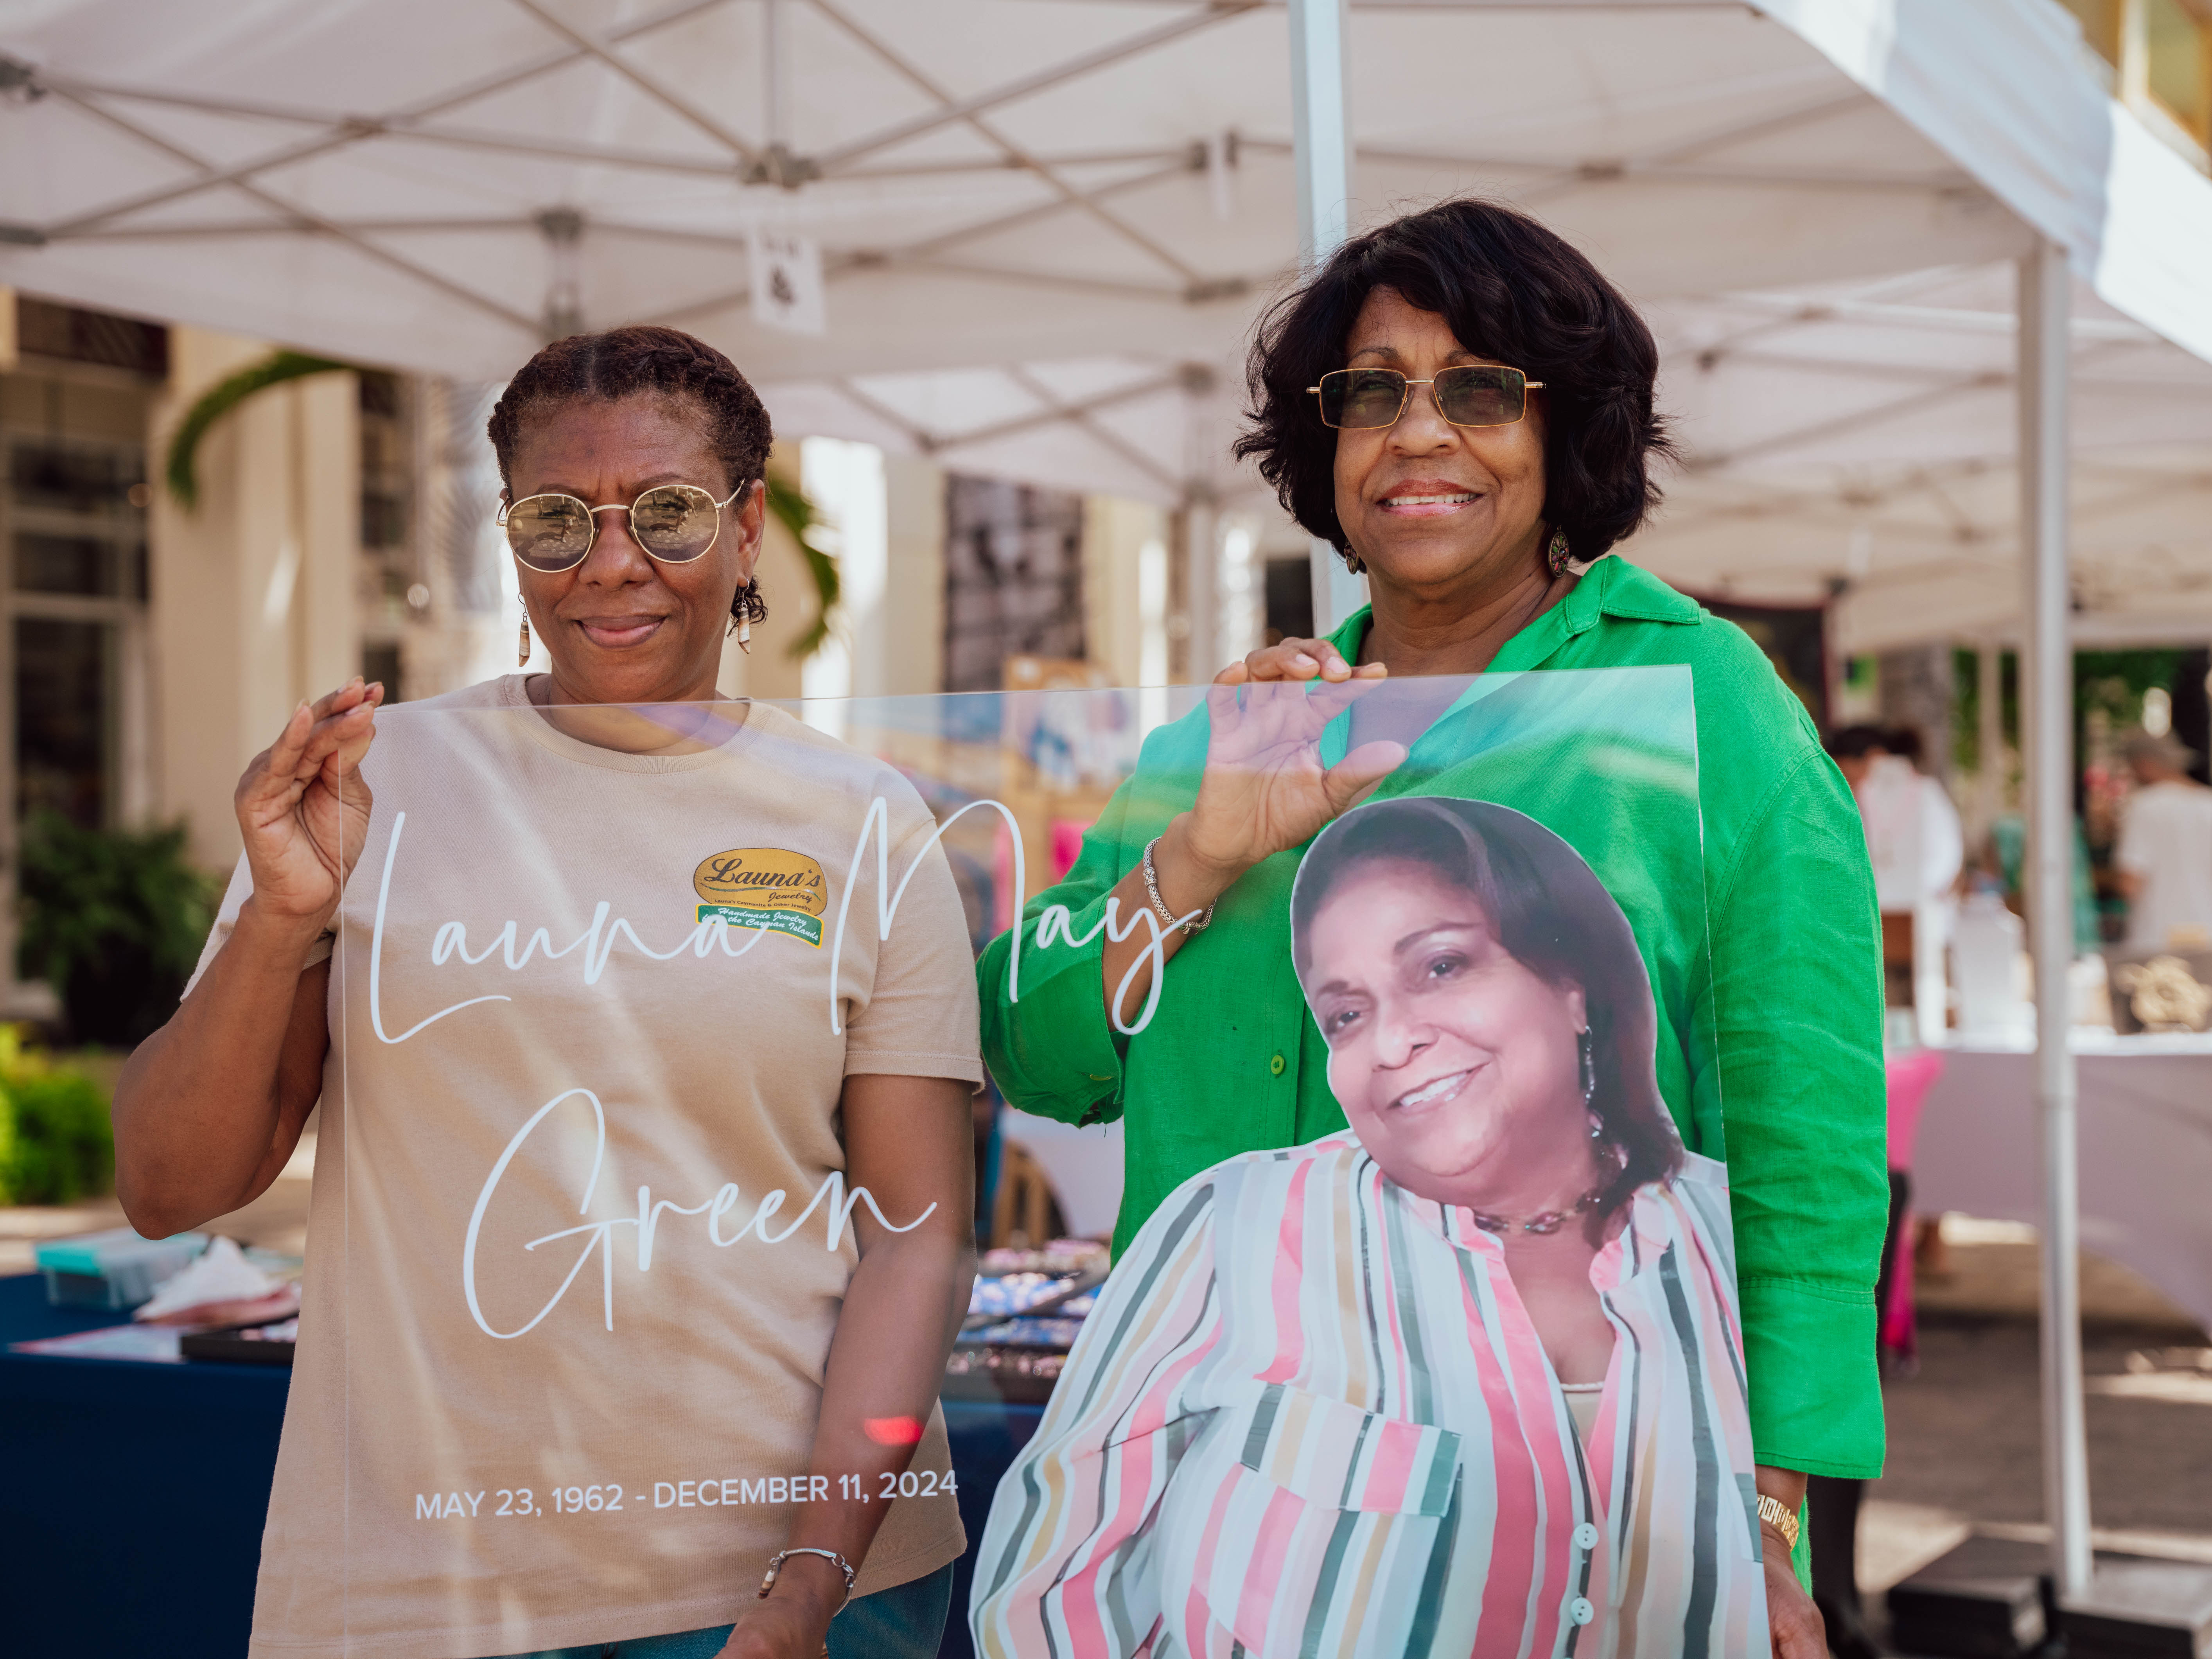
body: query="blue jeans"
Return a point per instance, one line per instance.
(906, 1621)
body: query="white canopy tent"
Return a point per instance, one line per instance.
(992, 181)
(1857, 438)
(1047, 226)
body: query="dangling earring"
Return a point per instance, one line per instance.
(1586, 1055)
(1556, 553)
(1354, 563)
(741, 617)
(522, 644)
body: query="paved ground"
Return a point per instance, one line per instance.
(1965, 1437)
(1966, 1429)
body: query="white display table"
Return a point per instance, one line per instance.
(2145, 1150)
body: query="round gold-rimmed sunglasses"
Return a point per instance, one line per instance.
(675, 524)
(1474, 394)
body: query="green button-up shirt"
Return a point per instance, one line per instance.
(1770, 1045)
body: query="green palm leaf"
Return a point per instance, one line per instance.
(218, 400)
(798, 515)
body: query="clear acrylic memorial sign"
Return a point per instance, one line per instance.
(646, 1228)
(1467, 1375)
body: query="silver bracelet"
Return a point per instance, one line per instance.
(836, 1560)
(1170, 920)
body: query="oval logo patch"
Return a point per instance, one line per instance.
(770, 887)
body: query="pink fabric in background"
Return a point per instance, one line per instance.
(1909, 1077)
(1067, 844)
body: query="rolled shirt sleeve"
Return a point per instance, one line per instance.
(1046, 1035)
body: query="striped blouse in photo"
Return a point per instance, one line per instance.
(1309, 1417)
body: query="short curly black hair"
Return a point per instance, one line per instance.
(624, 362)
(1513, 292)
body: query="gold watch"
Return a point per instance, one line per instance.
(1783, 1519)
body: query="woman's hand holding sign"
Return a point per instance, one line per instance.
(1264, 790)
(303, 809)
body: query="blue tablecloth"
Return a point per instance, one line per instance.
(131, 1495)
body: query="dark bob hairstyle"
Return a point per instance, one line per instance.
(1513, 292)
(1554, 915)
(646, 361)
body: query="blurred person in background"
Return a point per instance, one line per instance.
(1919, 850)
(1462, 404)
(2163, 864)
(1913, 834)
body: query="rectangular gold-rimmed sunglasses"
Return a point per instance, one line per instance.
(675, 524)
(1474, 394)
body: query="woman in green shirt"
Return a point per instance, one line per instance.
(1463, 406)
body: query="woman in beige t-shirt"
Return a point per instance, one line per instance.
(725, 1386)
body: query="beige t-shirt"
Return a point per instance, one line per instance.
(563, 1344)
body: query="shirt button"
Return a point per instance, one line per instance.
(1275, 1067)
(1581, 1611)
(1586, 1536)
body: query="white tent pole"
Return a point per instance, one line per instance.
(2045, 305)
(1320, 152)
(1200, 550)
(1321, 129)
(1988, 685)
(779, 116)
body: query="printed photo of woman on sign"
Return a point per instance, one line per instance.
(1464, 1377)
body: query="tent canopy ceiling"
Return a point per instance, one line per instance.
(1048, 225)
(990, 181)
(1858, 440)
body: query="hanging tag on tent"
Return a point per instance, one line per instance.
(787, 282)
(1221, 173)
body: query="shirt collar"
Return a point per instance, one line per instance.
(1611, 588)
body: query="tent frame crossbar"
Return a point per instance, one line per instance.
(1083, 414)
(603, 53)
(921, 256)
(1911, 404)
(1052, 409)
(838, 161)
(356, 131)
(361, 245)
(1070, 194)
